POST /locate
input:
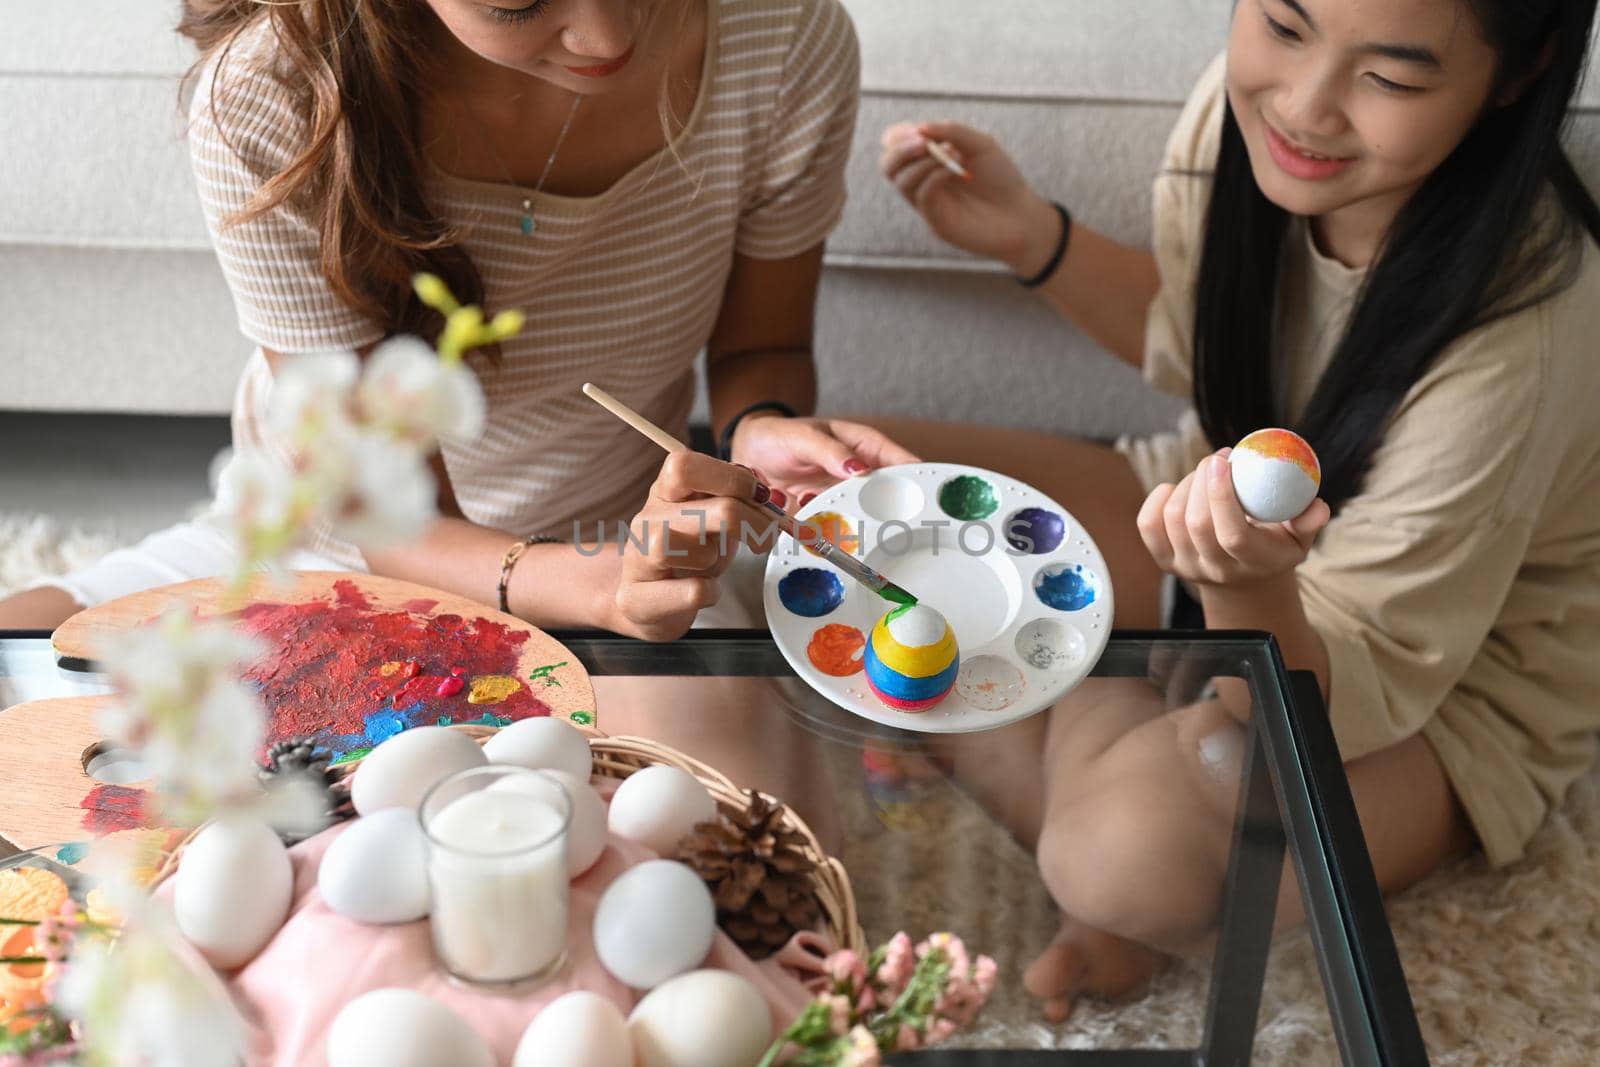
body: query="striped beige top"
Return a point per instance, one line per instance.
(621, 288)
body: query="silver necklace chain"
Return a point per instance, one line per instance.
(528, 225)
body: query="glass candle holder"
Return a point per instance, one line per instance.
(497, 870)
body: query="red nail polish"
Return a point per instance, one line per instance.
(854, 467)
(779, 497)
(806, 498)
(762, 494)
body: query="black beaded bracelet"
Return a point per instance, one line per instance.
(1056, 257)
(725, 442)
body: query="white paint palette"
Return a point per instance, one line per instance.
(1022, 584)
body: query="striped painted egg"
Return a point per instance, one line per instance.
(911, 658)
(1275, 475)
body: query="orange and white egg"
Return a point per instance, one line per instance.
(1276, 475)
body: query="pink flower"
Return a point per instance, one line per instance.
(863, 1050)
(846, 966)
(906, 1039)
(56, 931)
(940, 1030)
(899, 962)
(985, 975)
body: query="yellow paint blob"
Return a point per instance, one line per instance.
(390, 669)
(493, 688)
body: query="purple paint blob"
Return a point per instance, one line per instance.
(1035, 531)
(810, 592)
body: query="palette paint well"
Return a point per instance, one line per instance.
(1025, 590)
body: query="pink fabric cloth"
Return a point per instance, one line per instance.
(319, 961)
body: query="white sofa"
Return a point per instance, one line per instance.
(110, 299)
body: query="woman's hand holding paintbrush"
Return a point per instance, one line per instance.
(685, 468)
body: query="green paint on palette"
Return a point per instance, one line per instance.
(444, 720)
(546, 674)
(583, 718)
(71, 854)
(490, 720)
(968, 498)
(350, 757)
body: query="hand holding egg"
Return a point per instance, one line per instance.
(1201, 529)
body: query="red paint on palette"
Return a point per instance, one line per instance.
(109, 808)
(325, 677)
(837, 649)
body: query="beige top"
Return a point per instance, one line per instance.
(1458, 593)
(622, 288)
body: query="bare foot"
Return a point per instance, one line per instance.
(1083, 960)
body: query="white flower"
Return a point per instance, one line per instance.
(311, 396)
(260, 502)
(410, 393)
(391, 495)
(147, 999)
(182, 708)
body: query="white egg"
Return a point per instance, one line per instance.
(377, 870)
(542, 744)
(403, 1028)
(653, 922)
(702, 1019)
(578, 1029)
(1275, 474)
(232, 890)
(398, 772)
(658, 807)
(586, 833)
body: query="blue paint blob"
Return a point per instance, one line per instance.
(382, 725)
(71, 854)
(488, 719)
(1035, 531)
(810, 592)
(1066, 587)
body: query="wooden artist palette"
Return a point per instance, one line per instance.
(1022, 584)
(353, 659)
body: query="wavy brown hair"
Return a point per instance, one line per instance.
(354, 67)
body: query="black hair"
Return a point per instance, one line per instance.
(1463, 252)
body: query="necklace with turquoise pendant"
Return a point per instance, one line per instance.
(528, 226)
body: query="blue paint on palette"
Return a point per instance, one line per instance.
(810, 592)
(1067, 587)
(1035, 531)
(382, 725)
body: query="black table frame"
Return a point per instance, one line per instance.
(1294, 799)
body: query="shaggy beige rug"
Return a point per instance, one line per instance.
(1504, 966)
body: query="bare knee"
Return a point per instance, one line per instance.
(37, 609)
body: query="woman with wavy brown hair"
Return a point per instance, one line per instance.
(643, 179)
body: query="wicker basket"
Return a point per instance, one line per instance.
(619, 757)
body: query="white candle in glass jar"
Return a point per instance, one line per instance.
(497, 870)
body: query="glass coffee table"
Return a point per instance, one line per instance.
(935, 832)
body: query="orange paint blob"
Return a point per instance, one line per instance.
(834, 527)
(837, 650)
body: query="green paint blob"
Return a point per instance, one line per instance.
(968, 498)
(444, 720)
(546, 674)
(352, 755)
(70, 854)
(583, 718)
(490, 720)
(899, 611)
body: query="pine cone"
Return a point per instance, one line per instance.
(297, 756)
(759, 875)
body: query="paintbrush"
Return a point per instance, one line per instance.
(829, 551)
(942, 152)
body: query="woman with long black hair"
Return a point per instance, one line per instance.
(1367, 230)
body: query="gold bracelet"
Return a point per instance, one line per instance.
(513, 554)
